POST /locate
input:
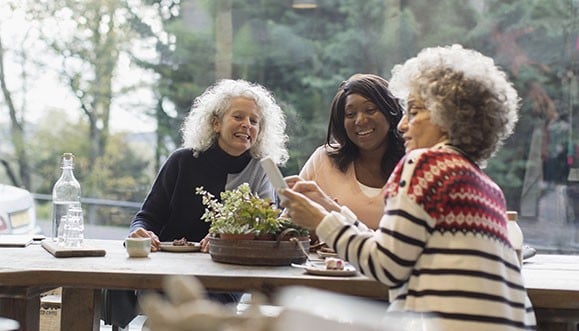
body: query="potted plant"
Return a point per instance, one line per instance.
(244, 217)
(239, 212)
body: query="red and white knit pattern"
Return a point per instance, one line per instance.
(442, 245)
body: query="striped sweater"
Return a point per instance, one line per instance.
(442, 245)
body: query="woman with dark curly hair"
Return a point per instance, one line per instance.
(442, 243)
(362, 147)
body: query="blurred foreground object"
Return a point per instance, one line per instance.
(306, 308)
(187, 308)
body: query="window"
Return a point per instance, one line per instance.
(106, 61)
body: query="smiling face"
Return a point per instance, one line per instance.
(365, 124)
(239, 127)
(417, 129)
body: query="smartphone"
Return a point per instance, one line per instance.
(274, 174)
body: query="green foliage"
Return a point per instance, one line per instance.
(120, 174)
(239, 212)
(301, 56)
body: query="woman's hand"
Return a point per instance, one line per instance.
(302, 210)
(205, 244)
(311, 190)
(142, 233)
(292, 180)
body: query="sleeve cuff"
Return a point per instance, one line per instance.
(348, 214)
(330, 226)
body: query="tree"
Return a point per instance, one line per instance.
(16, 110)
(87, 37)
(16, 130)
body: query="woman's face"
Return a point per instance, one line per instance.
(239, 127)
(417, 129)
(365, 124)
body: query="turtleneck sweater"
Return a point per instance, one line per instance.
(173, 210)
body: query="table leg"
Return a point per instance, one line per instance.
(21, 304)
(80, 309)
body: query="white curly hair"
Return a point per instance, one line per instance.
(466, 94)
(197, 130)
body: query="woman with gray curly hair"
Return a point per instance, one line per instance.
(199, 134)
(465, 94)
(232, 125)
(442, 244)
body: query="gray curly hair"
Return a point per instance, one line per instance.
(466, 94)
(197, 130)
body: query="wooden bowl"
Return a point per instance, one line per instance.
(257, 252)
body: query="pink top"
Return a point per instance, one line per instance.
(344, 187)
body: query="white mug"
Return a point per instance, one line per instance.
(138, 247)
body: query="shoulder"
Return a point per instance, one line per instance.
(321, 153)
(181, 153)
(437, 157)
(178, 157)
(316, 159)
(420, 164)
(255, 165)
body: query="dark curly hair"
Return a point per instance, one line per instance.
(342, 150)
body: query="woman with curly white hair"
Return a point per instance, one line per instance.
(442, 243)
(232, 125)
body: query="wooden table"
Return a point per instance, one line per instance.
(27, 272)
(552, 281)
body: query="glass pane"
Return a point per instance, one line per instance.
(166, 52)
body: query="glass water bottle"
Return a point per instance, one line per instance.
(65, 195)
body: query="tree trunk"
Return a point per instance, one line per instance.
(224, 40)
(16, 128)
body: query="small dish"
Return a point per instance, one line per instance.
(190, 247)
(320, 270)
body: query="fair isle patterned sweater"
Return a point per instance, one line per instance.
(442, 245)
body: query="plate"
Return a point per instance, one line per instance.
(320, 270)
(169, 247)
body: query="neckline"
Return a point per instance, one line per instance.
(227, 162)
(460, 152)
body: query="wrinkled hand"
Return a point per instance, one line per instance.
(205, 244)
(302, 210)
(142, 233)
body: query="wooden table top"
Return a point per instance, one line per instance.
(34, 266)
(552, 281)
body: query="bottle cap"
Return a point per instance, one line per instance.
(512, 215)
(67, 160)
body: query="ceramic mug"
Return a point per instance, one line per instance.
(138, 247)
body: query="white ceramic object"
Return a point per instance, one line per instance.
(138, 247)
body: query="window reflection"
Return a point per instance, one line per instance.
(301, 55)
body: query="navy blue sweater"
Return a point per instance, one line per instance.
(173, 210)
